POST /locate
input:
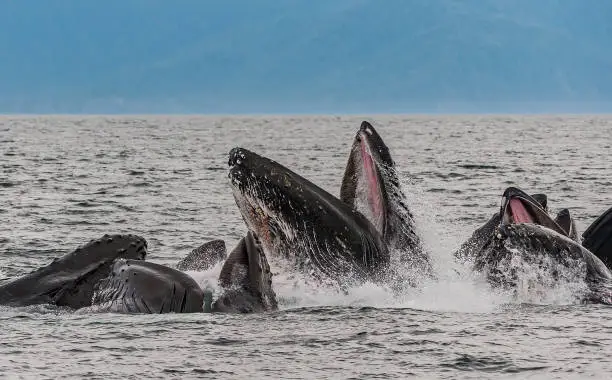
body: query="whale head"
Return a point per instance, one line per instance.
(300, 223)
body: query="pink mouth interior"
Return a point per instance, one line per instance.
(519, 212)
(374, 195)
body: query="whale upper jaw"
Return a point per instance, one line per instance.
(519, 207)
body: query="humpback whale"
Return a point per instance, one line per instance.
(598, 238)
(144, 287)
(524, 232)
(481, 236)
(70, 280)
(371, 186)
(110, 275)
(301, 224)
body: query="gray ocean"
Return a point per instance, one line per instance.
(67, 179)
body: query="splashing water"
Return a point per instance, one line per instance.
(208, 279)
(547, 281)
(456, 288)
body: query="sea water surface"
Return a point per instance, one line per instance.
(67, 179)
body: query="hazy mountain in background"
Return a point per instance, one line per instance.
(268, 56)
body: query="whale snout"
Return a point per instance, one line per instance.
(236, 156)
(238, 170)
(367, 128)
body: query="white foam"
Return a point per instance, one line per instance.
(548, 282)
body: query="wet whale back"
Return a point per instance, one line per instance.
(204, 257)
(145, 287)
(71, 279)
(597, 238)
(556, 256)
(480, 239)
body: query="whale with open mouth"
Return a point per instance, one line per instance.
(482, 235)
(302, 225)
(524, 233)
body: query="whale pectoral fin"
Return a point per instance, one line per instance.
(144, 287)
(597, 238)
(247, 279)
(204, 257)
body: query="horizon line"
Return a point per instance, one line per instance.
(263, 114)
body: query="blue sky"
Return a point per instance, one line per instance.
(298, 56)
